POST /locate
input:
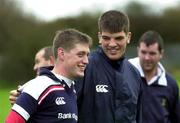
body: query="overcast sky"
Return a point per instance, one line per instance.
(52, 9)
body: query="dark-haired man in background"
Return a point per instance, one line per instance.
(161, 102)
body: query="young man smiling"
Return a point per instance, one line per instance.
(111, 88)
(50, 97)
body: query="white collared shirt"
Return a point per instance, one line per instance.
(161, 73)
(69, 82)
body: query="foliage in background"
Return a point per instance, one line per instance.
(22, 35)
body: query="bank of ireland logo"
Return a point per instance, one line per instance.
(60, 101)
(101, 88)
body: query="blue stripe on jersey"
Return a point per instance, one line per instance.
(27, 102)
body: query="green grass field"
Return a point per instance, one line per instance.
(4, 104)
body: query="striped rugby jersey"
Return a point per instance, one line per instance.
(45, 99)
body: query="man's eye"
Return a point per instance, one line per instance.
(143, 52)
(119, 38)
(152, 53)
(80, 55)
(105, 38)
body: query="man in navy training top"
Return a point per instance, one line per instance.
(49, 98)
(161, 102)
(111, 89)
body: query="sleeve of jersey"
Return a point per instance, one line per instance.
(14, 117)
(22, 110)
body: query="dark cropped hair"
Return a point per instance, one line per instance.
(150, 37)
(113, 21)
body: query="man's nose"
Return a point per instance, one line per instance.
(85, 60)
(112, 42)
(147, 56)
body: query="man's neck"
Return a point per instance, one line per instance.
(150, 74)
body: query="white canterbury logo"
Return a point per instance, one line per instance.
(102, 88)
(60, 101)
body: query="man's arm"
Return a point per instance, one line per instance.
(24, 101)
(14, 117)
(13, 94)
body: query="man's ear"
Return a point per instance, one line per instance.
(60, 53)
(129, 37)
(99, 37)
(162, 53)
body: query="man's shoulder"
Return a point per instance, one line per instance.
(131, 64)
(39, 80)
(134, 61)
(95, 57)
(37, 85)
(132, 72)
(171, 81)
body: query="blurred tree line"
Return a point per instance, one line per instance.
(22, 34)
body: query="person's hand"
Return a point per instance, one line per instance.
(13, 95)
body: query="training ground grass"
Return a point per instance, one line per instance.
(4, 104)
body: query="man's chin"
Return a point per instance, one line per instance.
(147, 69)
(81, 75)
(114, 57)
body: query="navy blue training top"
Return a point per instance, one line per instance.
(160, 103)
(110, 91)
